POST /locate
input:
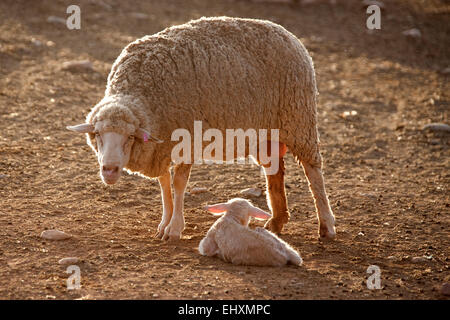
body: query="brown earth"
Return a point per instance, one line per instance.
(387, 179)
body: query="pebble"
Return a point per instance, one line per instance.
(198, 190)
(252, 192)
(155, 295)
(36, 42)
(54, 19)
(419, 259)
(445, 71)
(414, 33)
(435, 127)
(445, 289)
(3, 176)
(347, 114)
(68, 261)
(55, 235)
(139, 15)
(82, 65)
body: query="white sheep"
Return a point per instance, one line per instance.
(228, 73)
(233, 241)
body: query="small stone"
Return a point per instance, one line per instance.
(445, 289)
(348, 114)
(36, 42)
(54, 235)
(68, 261)
(53, 19)
(155, 295)
(252, 192)
(82, 65)
(198, 190)
(418, 259)
(3, 176)
(414, 33)
(436, 127)
(445, 71)
(50, 297)
(139, 15)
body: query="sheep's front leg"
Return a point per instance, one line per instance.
(166, 197)
(176, 225)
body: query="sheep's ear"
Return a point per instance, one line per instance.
(82, 128)
(217, 209)
(258, 213)
(146, 136)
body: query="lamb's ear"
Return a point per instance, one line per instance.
(146, 136)
(82, 128)
(217, 209)
(258, 213)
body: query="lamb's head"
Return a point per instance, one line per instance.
(238, 209)
(113, 130)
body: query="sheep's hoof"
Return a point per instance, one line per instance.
(159, 234)
(326, 233)
(274, 225)
(171, 237)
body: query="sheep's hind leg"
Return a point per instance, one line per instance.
(176, 225)
(324, 213)
(276, 199)
(167, 201)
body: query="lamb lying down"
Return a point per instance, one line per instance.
(233, 241)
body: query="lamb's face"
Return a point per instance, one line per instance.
(239, 210)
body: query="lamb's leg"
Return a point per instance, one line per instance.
(324, 213)
(176, 224)
(276, 199)
(166, 197)
(291, 255)
(208, 247)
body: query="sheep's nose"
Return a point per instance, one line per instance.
(110, 169)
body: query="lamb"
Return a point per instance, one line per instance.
(226, 73)
(231, 240)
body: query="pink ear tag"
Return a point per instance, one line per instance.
(145, 137)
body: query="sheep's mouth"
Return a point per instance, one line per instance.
(110, 177)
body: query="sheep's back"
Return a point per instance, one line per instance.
(215, 70)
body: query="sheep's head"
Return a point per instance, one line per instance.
(239, 209)
(113, 136)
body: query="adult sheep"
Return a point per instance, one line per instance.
(225, 72)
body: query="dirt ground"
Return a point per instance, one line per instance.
(387, 179)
